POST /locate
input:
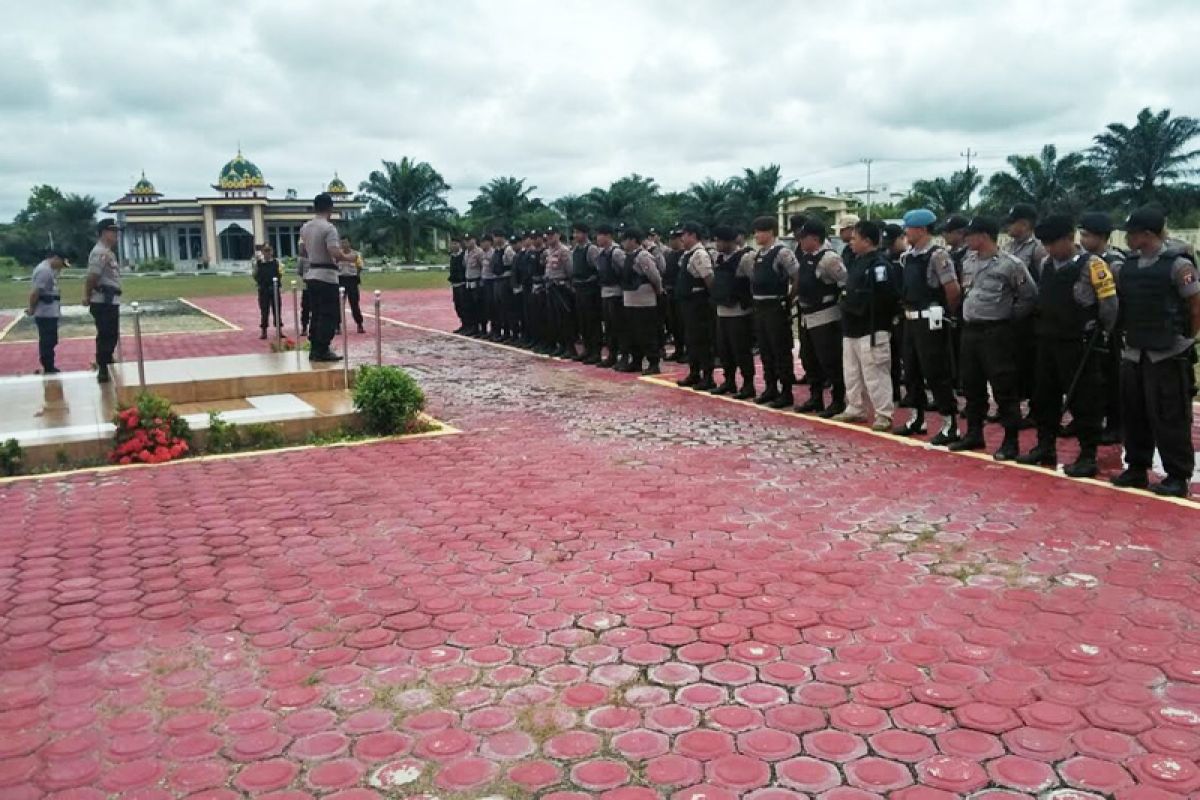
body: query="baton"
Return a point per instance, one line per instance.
(1095, 337)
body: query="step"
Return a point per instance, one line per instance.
(201, 380)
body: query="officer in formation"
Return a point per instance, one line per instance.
(102, 295)
(672, 312)
(504, 256)
(458, 283)
(1095, 230)
(585, 280)
(559, 264)
(692, 285)
(1024, 246)
(473, 273)
(820, 278)
(733, 274)
(267, 276)
(45, 306)
(616, 337)
(773, 290)
(641, 286)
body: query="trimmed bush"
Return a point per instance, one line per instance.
(388, 398)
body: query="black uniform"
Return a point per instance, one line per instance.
(697, 311)
(266, 273)
(586, 282)
(770, 287)
(522, 288)
(734, 333)
(926, 347)
(616, 336)
(540, 330)
(501, 301)
(672, 309)
(823, 342)
(458, 288)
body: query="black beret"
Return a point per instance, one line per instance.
(1055, 227)
(631, 233)
(954, 222)
(1146, 218)
(811, 227)
(581, 226)
(692, 227)
(984, 225)
(1096, 222)
(725, 233)
(1021, 211)
(605, 228)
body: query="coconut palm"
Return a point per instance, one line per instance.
(946, 196)
(629, 200)
(406, 201)
(572, 207)
(502, 202)
(1049, 183)
(706, 202)
(1141, 162)
(755, 193)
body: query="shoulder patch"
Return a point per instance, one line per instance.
(1101, 278)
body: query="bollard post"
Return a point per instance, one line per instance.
(345, 338)
(137, 338)
(296, 318)
(277, 311)
(378, 333)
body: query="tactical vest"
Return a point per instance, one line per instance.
(959, 256)
(671, 268)
(868, 302)
(538, 264)
(769, 280)
(917, 293)
(605, 269)
(499, 268)
(685, 281)
(458, 267)
(521, 267)
(729, 288)
(631, 279)
(1152, 313)
(815, 294)
(1059, 315)
(582, 270)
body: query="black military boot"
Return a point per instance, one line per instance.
(102, 375)
(706, 382)
(1085, 466)
(769, 393)
(915, 426)
(680, 355)
(785, 399)
(727, 386)
(836, 407)
(1131, 478)
(948, 435)
(263, 335)
(815, 404)
(1043, 454)
(691, 379)
(611, 361)
(652, 367)
(1171, 486)
(746, 392)
(1010, 448)
(631, 365)
(591, 358)
(621, 363)
(973, 440)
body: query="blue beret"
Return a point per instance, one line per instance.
(919, 218)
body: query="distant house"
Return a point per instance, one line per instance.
(831, 207)
(218, 231)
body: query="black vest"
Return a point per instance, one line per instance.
(769, 280)
(1059, 315)
(671, 270)
(815, 294)
(521, 268)
(685, 281)
(537, 264)
(499, 268)
(582, 270)
(1152, 313)
(605, 269)
(729, 288)
(458, 267)
(917, 294)
(631, 279)
(869, 300)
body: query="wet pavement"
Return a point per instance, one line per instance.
(602, 587)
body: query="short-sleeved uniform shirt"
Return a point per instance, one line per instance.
(558, 262)
(324, 248)
(941, 266)
(1187, 283)
(1029, 251)
(1095, 287)
(474, 263)
(745, 269)
(644, 263)
(997, 288)
(832, 270)
(699, 264)
(786, 260)
(46, 282)
(102, 263)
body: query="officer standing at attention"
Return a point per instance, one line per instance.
(561, 297)
(954, 234)
(474, 295)
(1095, 228)
(487, 293)
(616, 338)
(350, 266)
(997, 292)
(641, 284)
(266, 272)
(692, 286)
(929, 291)
(539, 299)
(819, 280)
(101, 294)
(1159, 291)
(773, 287)
(868, 304)
(731, 291)
(1024, 246)
(458, 281)
(586, 282)
(503, 259)
(518, 314)
(808, 362)
(672, 301)
(1077, 298)
(321, 245)
(45, 306)
(845, 231)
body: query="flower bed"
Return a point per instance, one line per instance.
(149, 432)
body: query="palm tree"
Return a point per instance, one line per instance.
(1139, 161)
(572, 207)
(755, 193)
(946, 196)
(628, 200)
(406, 201)
(706, 202)
(1045, 181)
(502, 202)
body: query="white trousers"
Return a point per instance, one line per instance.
(868, 374)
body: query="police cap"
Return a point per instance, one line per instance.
(725, 233)
(604, 228)
(1055, 227)
(954, 222)
(1023, 211)
(631, 233)
(693, 228)
(984, 225)
(811, 227)
(1096, 222)
(1146, 218)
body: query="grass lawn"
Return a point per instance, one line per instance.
(15, 294)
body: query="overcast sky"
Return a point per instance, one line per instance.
(569, 94)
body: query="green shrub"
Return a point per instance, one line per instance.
(156, 265)
(261, 436)
(223, 436)
(11, 457)
(10, 268)
(388, 399)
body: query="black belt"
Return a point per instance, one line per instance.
(322, 266)
(583, 281)
(986, 323)
(49, 298)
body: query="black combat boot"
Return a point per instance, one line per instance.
(691, 379)
(1171, 486)
(706, 382)
(948, 434)
(652, 367)
(769, 394)
(1044, 454)
(973, 440)
(915, 426)
(785, 399)
(1085, 466)
(815, 404)
(728, 386)
(746, 392)
(1131, 478)
(1010, 448)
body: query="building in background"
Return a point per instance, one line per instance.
(218, 232)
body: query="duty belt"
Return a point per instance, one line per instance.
(49, 298)
(584, 282)
(698, 289)
(518, 289)
(922, 314)
(986, 323)
(472, 284)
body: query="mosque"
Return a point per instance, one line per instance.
(218, 231)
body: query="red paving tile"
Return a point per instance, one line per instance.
(722, 611)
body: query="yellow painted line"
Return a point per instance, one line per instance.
(210, 314)
(914, 442)
(444, 429)
(12, 325)
(464, 337)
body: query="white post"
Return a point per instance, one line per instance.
(137, 337)
(378, 332)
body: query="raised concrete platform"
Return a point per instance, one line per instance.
(199, 380)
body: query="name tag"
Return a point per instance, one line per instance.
(881, 274)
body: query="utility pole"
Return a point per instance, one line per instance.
(868, 162)
(968, 154)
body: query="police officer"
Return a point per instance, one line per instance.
(692, 287)
(458, 282)
(1023, 245)
(321, 245)
(808, 362)
(954, 234)
(998, 291)
(45, 306)
(267, 274)
(522, 275)
(894, 245)
(1159, 292)
(1077, 298)
(1095, 229)
(586, 283)
(101, 294)
(868, 303)
(672, 301)
(350, 266)
(641, 284)
(731, 291)
(773, 287)
(561, 298)
(539, 300)
(487, 289)
(611, 293)
(819, 280)
(474, 295)
(503, 258)
(929, 289)
(845, 230)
